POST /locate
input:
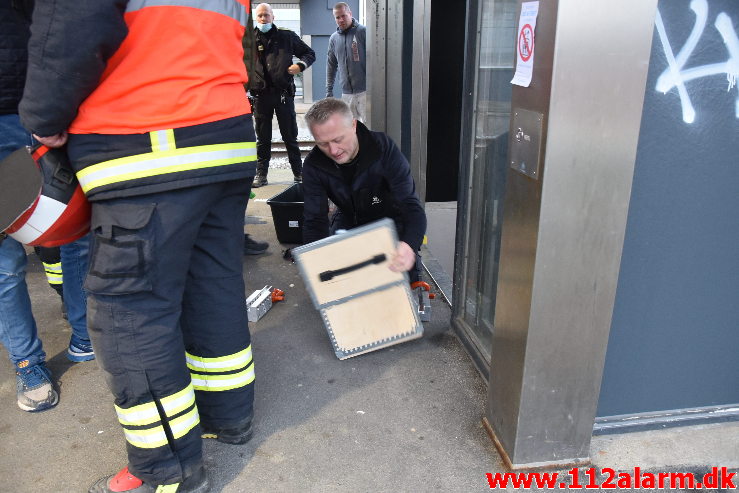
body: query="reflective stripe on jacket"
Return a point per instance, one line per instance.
(109, 166)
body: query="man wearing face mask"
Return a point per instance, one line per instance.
(273, 89)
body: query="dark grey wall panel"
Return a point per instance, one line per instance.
(674, 340)
(320, 46)
(317, 17)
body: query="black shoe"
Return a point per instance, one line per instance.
(124, 481)
(259, 181)
(298, 178)
(254, 247)
(238, 435)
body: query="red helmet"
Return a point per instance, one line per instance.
(41, 202)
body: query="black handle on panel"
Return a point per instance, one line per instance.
(330, 274)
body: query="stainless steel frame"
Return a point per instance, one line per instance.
(376, 71)
(385, 96)
(467, 188)
(420, 92)
(394, 70)
(563, 234)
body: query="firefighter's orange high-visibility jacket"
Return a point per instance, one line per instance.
(151, 91)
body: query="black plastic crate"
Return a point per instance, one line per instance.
(287, 214)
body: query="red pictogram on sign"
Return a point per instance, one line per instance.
(526, 42)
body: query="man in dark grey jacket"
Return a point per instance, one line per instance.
(347, 56)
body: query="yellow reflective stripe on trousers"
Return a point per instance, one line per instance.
(141, 415)
(217, 383)
(178, 402)
(148, 438)
(165, 162)
(146, 414)
(54, 278)
(223, 363)
(53, 272)
(183, 424)
(55, 267)
(167, 488)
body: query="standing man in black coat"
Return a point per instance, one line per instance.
(273, 89)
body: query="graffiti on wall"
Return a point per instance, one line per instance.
(676, 75)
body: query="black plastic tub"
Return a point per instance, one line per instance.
(287, 214)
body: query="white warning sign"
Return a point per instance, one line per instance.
(525, 44)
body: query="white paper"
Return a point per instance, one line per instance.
(525, 44)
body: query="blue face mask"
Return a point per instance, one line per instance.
(264, 27)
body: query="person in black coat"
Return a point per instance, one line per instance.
(272, 88)
(365, 175)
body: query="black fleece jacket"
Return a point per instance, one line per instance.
(382, 187)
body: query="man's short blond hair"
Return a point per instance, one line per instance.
(324, 109)
(342, 5)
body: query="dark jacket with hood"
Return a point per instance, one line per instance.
(382, 186)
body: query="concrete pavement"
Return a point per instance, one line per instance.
(406, 418)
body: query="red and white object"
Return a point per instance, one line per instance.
(58, 213)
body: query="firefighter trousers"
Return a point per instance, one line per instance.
(168, 322)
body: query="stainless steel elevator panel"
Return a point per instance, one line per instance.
(562, 233)
(526, 141)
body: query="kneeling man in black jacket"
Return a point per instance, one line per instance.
(365, 175)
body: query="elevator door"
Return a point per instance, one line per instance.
(484, 160)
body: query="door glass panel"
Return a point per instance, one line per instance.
(489, 158)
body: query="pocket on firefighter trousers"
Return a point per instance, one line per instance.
(120, 262)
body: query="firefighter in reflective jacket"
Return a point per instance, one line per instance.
(150, 97)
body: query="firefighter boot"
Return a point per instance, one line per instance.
(125, 482)
(238, 435)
